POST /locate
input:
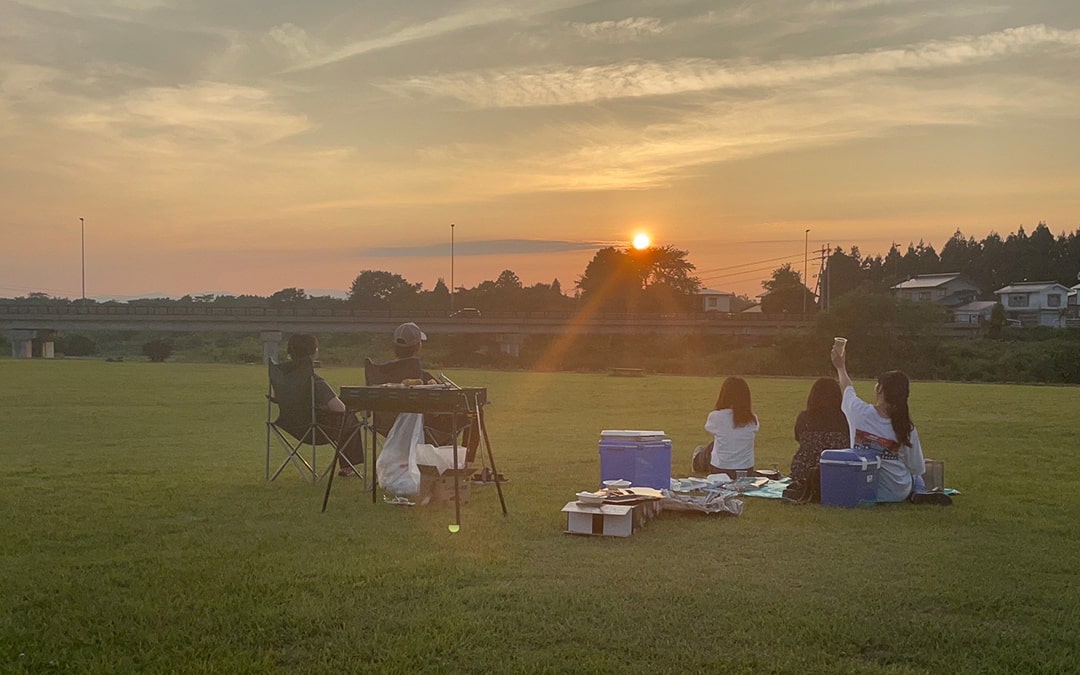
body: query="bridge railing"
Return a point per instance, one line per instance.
(200, 310)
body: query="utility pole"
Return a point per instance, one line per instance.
(806, 249)
(82, 227)
(451, 268)
(828, 276)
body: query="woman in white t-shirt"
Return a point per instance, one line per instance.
(885, 430)
(733, 426)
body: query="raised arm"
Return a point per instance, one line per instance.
(840, 361)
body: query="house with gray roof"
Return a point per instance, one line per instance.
(715, 301)
(951, 289)
(1036, 303)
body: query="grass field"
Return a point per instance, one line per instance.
(138, 535)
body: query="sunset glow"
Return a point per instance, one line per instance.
(249, 147)
(641, 241)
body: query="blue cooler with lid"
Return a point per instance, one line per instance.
(848, 478)
(641, 457)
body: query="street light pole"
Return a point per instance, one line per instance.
(805, 269)
(82, 228)
(451, 268)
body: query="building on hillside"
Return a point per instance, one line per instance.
(715, 301)
(977, 312)
(1035, 303)
(950, 290)
(1072, 304)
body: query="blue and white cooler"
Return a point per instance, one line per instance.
(848, 478)
(641, 457)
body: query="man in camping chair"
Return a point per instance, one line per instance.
(438, 428)
(330, 413)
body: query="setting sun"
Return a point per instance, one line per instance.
(641, 241)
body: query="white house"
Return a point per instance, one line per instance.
(715, 301)
(977, 312)
(952, 289)
(1035, 303)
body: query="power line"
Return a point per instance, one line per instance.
(746, 272)
(756, 262)
(38, 289)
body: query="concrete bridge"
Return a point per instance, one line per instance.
(33, 324)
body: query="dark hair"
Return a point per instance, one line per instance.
(302, 345)
(735, 395)
(404, 352)
(895, 388)
(823, 405)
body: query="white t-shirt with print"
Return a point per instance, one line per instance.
(733, 447)
(873, 435)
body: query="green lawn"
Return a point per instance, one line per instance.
(138, 535)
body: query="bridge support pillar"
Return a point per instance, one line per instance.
(22, 343)
(510, 343)
(270, 340)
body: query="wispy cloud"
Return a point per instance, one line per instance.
(208, 112)
(623, 30)
(481, 14)
(484, 247)
(568, 85)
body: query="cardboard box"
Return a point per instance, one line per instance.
(438, 489)
(609, 520)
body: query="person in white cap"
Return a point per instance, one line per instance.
(408, 342)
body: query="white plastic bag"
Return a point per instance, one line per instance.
(396, 467)
(441, 457)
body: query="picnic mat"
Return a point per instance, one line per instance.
(774, 489)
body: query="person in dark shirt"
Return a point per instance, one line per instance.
(822, 426)
(330, 413)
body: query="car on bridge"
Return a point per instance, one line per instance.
(466, 313)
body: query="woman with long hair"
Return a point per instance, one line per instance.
(884, 429)
(733, 426)
(822, 426)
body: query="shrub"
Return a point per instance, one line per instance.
(76, 345)
(158, 350)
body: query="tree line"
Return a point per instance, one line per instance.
(661, 279)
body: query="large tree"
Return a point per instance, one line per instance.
(651, 279)
(288, 296)
(785, 292)
(375, 289)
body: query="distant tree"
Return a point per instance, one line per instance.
(158, 349)
(205, 297)
(611, 281)
(844, 274)
(76, 345)
(288, 296)
(617, 279)
(376, 289)
(997, 320)
(785, 292)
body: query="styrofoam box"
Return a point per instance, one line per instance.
(609, 520)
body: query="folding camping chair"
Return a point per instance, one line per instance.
(292, 390)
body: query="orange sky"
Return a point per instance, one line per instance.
(217, 149)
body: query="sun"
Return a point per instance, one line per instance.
(641, 241)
